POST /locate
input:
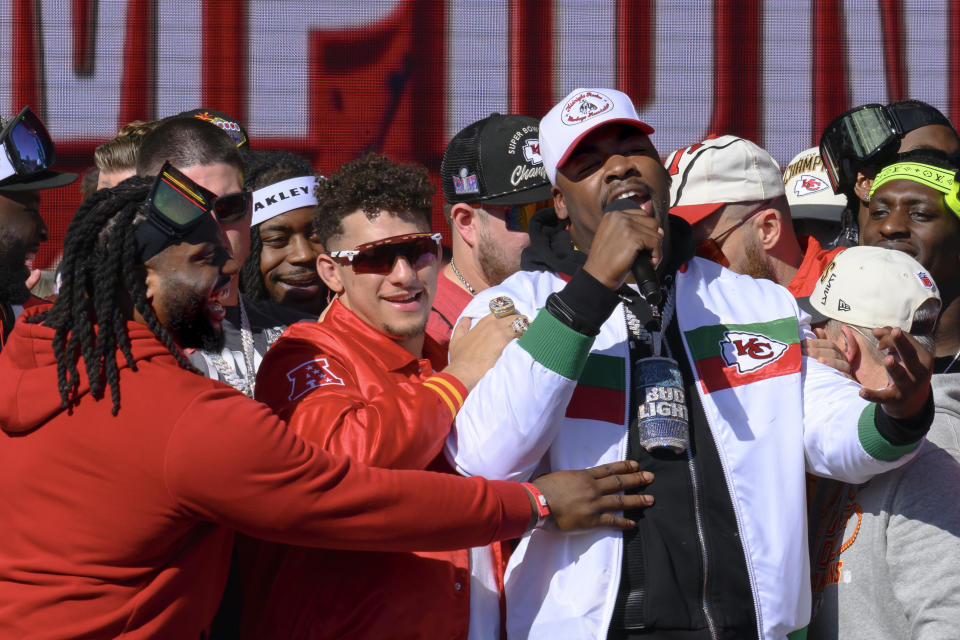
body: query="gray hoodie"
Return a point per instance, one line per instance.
(886, 554)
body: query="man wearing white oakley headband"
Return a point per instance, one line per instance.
(282, 265)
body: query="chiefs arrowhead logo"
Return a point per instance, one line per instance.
(808, 184)
(749, 351)
(531, 151)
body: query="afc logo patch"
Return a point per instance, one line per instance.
(309, 375)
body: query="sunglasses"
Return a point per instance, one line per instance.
(709, 248)
(866, 134)
(517, 216)
(26, 145)
(419, 249)
(179, 202)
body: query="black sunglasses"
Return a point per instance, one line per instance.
(419, 249)
(26, 145)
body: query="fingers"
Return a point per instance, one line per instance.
(462, 328)
(610, 468)
(624, 481)
(613, 521)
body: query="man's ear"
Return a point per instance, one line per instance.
(559, 206)
(769, 226)
(862, 187)
(463, 219)
(152, 278)
(329, 273)
(850, 346)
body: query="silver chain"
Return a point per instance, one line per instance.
(245, 383)
(456, 272)
(655, 340)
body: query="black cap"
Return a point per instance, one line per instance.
(497, 161)
(233, 128)
(38, 181)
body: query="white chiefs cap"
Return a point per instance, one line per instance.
(720, 171)
(873, 287)
(582, 111)
(808, 188)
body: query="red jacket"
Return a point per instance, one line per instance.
(815, 260)
(373, 400)
(122, 526)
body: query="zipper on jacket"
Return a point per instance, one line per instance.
(704, 557)
(733, 501)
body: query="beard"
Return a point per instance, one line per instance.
(411, 331)
(190, 325)
(13, 271)
(495, 265)
(755, 263)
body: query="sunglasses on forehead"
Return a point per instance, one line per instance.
(179, 202)
(419, 249)
(177, 207)
(25, 146)
(516, 216)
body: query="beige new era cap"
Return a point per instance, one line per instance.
(719, 171)
(873, 287)
(579, 113)
(808, 188)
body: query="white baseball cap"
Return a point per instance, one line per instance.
(579, 113)
(872, 287)
(808, 188)
(720, 171)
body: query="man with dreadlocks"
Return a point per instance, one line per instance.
(119, 514)
(282, 265)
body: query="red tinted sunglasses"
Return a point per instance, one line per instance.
(419, 249)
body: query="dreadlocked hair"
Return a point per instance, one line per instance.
(102, 276)
(263, 168)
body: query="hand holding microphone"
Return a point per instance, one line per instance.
(642, 269)
(626, 243)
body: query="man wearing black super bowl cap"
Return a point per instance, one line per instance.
(26, 155)
(493, 182)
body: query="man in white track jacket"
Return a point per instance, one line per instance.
(722, 551)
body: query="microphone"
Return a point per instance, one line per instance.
(641, 268)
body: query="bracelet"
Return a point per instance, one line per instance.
(543, 509)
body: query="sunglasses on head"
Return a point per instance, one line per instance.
(180, 202)
(516, 216)
(709, 248)
(177, 209)
(419, 249)
(26, 146)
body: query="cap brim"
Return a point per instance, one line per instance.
(816, 317)
(43, 180)
(694, 213)
(640, 125)
(535, 194)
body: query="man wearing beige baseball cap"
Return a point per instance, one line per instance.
(731, 192)
(639, 350)
(904, 524)
(814, 207)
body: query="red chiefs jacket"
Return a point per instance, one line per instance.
(122, 526)
(355, 391)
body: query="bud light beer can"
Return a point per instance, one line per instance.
(663, 420)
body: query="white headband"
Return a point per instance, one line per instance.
(281, 197)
